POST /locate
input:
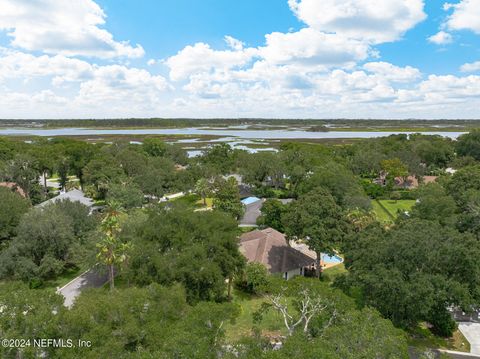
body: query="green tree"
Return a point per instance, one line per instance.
(100, 172)
(272, 211)
(197, 249)
(12, 207)
(255, 278)
(42, 247)
(23, 170)
(202, 188)
(469, 144)
(111, 251)
(394, 168)
(435, 204)
(226, 197)
(128, 195)
(154, 147)
(318, 220)
(381, 262)
(29, 314)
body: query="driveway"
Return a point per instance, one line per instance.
(471, 331)
(252, 212)
(90, 279)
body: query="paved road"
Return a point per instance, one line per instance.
(90, 279)
(471, 331)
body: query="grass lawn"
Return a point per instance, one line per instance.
(422, 338)
(386, 210)
(65, 277)
(381, 214)
(335, 271)
(208, 200)
(272, 322)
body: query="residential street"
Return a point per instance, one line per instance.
(90, 279)
(471, 331)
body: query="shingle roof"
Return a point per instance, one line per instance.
(13, 186)
(270, 248)
(74, 195)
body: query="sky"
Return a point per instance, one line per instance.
(216, 58)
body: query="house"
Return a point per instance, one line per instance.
(14, 187)
(412, 182)
(409, 182)
(74, 195)
(270, 248)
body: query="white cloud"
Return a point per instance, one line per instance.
(234, 44)
(441, 38)
(312, 48)
(470, 67)
(393, 73)
(69, 28)
(465, 16)
(121, 86)
(202, 58)
(16, 64)
(371, 20)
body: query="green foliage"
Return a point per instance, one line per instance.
(405, 275)
(317, 219)
(197, 249)
(272, 212)
(12, 207)
(29, 314)
(255, 279)
(154, 147)
(126, 194)
(394, 168)
(469, 145)
(221, 158)
(435, 204)
(340, 182)
(48, 239)
(226, 197)
(100, 172)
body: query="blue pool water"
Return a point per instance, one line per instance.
(250, 200)
(331, 259)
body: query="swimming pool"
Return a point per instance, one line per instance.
(250, 200)
(327, 259)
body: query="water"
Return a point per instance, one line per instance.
(327, 259)
(250, 200)
(228, 132)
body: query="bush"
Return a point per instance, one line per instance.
(373, 190)
(264, 192)
(256, 278)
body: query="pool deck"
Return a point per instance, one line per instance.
(307, 251)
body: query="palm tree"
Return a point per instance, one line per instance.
(111, 251)
(202, 188)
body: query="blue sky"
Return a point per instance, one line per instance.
(249, 58)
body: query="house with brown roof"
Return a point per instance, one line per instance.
(412, 182)
(270, 248)
(14, 187)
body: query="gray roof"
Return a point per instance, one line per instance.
(74, 195)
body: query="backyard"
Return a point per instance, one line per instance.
(387, 210)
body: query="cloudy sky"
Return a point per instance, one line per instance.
(249, 58)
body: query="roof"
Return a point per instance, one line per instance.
(14, 187)
(74, 195)
(412, 181)
(269, 247)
